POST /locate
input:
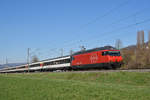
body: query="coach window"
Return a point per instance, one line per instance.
(56, 62)
(46, 63)
(68, 60)
(31, 65)
(23, 67)
(35, 65)
(62, 61)
(49, 63)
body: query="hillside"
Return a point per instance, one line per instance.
(133, 47)
(10, 65)
(136, 58)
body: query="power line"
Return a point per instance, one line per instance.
(107, 13)
(136, 23)
(127, 17)
(98, 18)
(125, 27)
(121, 28)
(102, 16)
(141, 11)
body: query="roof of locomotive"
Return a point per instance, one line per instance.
(95, 49)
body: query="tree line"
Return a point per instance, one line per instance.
(137, 56)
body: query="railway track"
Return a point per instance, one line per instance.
(117, 70)
(92, 71)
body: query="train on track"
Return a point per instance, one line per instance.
(106, 57)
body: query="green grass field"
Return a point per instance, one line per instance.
(76, 86)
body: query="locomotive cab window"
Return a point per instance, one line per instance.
(102, 53)
(105, 53)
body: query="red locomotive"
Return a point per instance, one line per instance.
(104, 57)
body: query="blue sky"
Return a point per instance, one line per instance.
(46, 26)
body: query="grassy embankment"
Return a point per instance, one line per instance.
(75, 86)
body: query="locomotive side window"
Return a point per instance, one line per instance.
(67, 61)
(111, 53)
(114, 53)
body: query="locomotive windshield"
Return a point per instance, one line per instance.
(111, 53)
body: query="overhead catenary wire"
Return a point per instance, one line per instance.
(115, 22)
(115, 30)
(118, 29)
(97, 18)
(138, 12)
(122, 28)
(102, 16)
(127, 17)
(107, 13)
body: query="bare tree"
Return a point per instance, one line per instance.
(35, 59)
(138, 57)
(118, 44)
(149, 39)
